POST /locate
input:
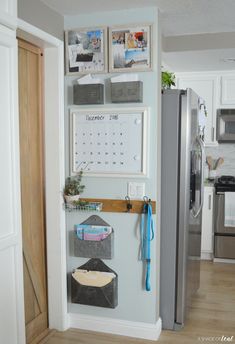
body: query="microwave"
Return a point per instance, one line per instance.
(225, 125)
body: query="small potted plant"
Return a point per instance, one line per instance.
(73, 188)
(168, 80)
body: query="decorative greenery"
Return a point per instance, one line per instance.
(168, 79)
(73, 185)
(80, 203)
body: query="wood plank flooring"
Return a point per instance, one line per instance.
(212, 314)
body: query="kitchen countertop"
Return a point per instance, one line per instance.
(208, 183)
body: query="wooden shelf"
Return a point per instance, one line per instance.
(120, 206)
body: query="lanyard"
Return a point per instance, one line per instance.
(147, 235)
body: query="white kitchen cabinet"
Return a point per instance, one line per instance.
(206, 86)
(227, 96)
(207, 224)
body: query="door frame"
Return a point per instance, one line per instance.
(54, 169)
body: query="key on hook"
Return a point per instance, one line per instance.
(129, 205)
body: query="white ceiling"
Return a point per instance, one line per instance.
(182, 17)
(179, 18)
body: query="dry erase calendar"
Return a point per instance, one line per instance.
(111, 142)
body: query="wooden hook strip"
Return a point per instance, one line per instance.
(120, 206)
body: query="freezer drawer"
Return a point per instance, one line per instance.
(225, 247)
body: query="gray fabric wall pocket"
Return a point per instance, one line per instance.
(94, 249)
(106, 296)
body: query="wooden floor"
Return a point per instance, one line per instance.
(212, 315)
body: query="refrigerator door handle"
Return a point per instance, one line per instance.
(201, 144)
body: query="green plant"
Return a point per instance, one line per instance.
(73, 185)
(168, 79)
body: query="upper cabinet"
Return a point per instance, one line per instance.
(8, 13)
(227, 95)
(206, 86)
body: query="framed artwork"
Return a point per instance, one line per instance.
(130, 48)
(109, 142)
(86, 50)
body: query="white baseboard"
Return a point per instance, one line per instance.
(116, 326)
(206, 255)
(222, 260)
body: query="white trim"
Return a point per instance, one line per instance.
(54, 159)
(206, 255)
(8, 17)
(221, 260)
(8, 21)
(116, 326)
(32, 34)
(14, 240)
(54, 169)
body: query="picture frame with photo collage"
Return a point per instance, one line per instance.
(86, 50)
(130, 49)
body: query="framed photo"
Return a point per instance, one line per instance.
(130, 48)
(109, 142)
(86, 50)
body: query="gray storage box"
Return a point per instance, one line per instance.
(106, 296)
(127, 92)
(88, 94)
(94, 249)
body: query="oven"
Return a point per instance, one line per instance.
(224, 234)
(224, 237)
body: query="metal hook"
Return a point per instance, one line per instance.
(147, 202)
(129, 205)
(146, 199)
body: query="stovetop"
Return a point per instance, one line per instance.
(225, 183)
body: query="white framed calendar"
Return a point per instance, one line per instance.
(109, 142)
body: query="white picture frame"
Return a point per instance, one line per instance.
(130, 48)
(131, 159)
(86, 50)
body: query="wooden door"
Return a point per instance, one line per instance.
(32, 189)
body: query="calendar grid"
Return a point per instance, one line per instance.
(108, 142)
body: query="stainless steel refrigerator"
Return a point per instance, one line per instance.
(181, 205)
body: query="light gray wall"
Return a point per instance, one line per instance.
(135, 304)
(38, 14)
(220, 40)
(226, 151)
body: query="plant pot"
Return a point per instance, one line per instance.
(212, 174)
(70, 199)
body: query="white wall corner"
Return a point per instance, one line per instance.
(116, 326)
(54, 161)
